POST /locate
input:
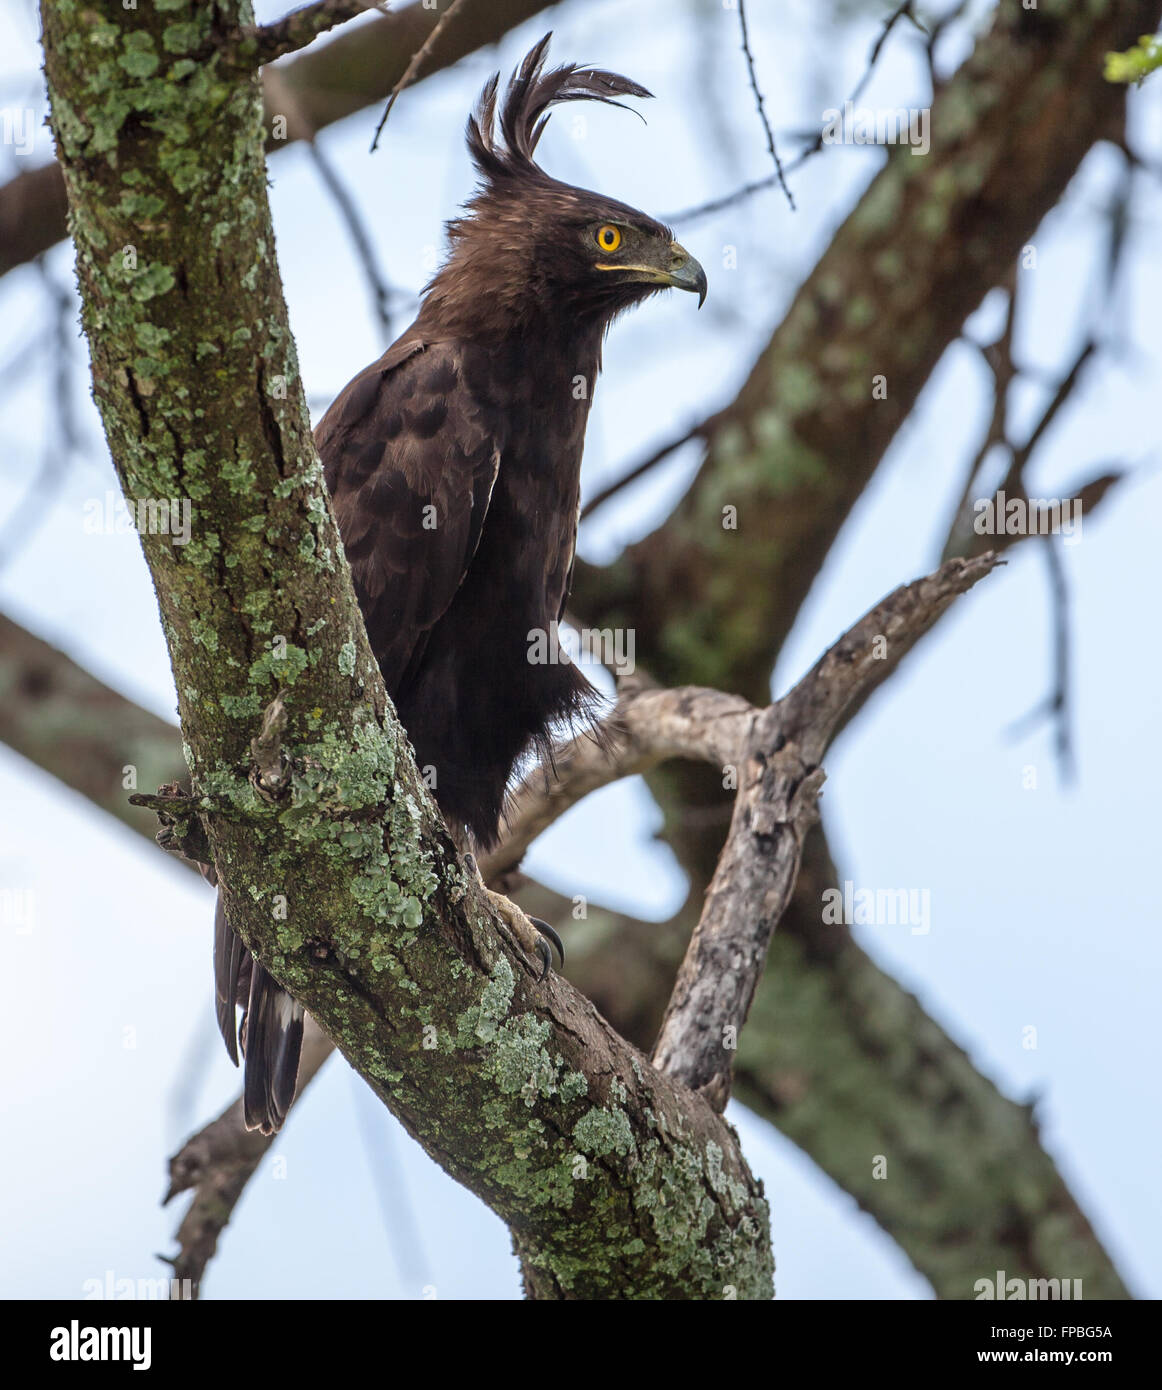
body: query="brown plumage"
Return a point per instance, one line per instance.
(454, 466)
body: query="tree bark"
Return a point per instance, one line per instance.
(615, 1181)
(811, 1061)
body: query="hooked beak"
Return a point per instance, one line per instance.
(683, 272)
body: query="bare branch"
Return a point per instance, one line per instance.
(647, 727)
(639, 470)
(747, 190)
(773, 756)
(409, 74)
(303, 26)
(758, 96)
(779, 778)
(218, 1162)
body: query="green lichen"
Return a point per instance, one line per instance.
(601, 1132)
(340, 878)
(479, 1023)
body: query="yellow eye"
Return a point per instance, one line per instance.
(608, 237)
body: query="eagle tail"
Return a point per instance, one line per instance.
(271, 1032)
(229, 958)
(272, 1036)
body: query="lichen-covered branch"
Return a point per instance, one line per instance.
(298, 28)
(614, 1180)
(811, 1060)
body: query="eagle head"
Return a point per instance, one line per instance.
(529, 246)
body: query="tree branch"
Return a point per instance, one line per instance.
(795, 450)
(810, 1061)
(518, 1089)
(299, 28)
(779, 779)
(356, 69)
(218, 1162)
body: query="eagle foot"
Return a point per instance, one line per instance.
(530, 933)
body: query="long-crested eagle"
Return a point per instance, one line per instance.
(454, 466)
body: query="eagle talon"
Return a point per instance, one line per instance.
(464, 419)
(546, 930)
(531, 934)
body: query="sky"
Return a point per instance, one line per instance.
(1044, 909)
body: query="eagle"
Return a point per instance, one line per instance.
(454, 465)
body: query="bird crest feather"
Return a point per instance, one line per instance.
(531, 93)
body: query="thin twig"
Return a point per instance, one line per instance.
(63, 445)
(409, 73)
(758, 96)
(747, 190)
(998, 357)
(360, 239)
(1056, 705)
(1064, 390)
(303, 26)
(698, 431)
(1060, 703)
(900, 12)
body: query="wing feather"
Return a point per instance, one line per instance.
(411, 464)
